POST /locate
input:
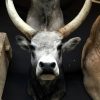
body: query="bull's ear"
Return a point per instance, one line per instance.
(23, 42)
(71, 44)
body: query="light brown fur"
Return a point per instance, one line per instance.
(91, 61)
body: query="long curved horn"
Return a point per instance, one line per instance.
(27, 30)
(96, 1)
(77, 21)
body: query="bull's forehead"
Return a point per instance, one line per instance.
(47, 39)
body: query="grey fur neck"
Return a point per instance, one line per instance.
(46, 15)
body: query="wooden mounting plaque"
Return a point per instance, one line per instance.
(5, 56)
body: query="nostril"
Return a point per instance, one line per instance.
(53, 65)
(41, 64)
(47, 65)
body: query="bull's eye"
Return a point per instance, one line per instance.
(59, 47)
(32, 47)
(25, 47)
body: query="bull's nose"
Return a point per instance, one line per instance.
(47, 65)
(51, 65)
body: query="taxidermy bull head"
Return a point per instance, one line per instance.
(91, 61)
(45, 31)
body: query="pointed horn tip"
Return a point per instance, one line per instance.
(78, 39)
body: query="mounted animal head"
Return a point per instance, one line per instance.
(46, 47)
(90, 60)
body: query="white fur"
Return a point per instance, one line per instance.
(47, 59)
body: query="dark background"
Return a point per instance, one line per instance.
(16, 83)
